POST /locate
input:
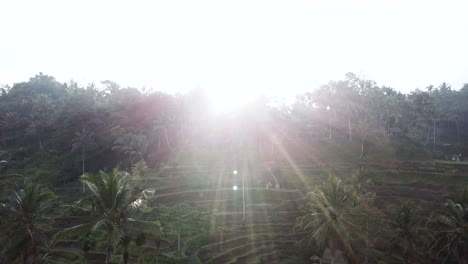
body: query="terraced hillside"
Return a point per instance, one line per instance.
(257, 226)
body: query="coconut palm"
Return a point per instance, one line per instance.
(58, 256)
(111, 208)
(22, 224)
(405, 229)
(81, 140)
(329, 221)
(451, 230)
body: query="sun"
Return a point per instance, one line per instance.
(227, 102)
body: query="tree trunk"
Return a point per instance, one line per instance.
(125, 255)
(25, 255)
(82, 164)
(462, 260)
(427, 135)
(159, 143)
(434, 132)
(158, 245)
(332, 252)
(178, 242)
(363, 148)
(167, 140)
(387, 125)
(458, 134)
(34, 252)
(349, 127)
(108, 255)
(41, 147)
(82, 160)
(3, 138)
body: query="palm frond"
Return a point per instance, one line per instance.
(153, 229)
(72, 232)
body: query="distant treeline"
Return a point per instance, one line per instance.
(106, 125)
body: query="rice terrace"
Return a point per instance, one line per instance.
(222, 132)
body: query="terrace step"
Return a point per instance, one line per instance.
(252, 195)
(255, 217)
(251, 256)
(228, 243)
(267, 257)
(228, 255)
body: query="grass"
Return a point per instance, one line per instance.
(253, 195)
(227, 254)
(450, 162)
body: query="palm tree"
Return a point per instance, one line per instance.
(404, 228)
(22, 224)
(111, 208)
(329, 219)
(451, 229)
(81, 139)
(160, 126)
(59, 256)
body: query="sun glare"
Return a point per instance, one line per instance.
(227, 102)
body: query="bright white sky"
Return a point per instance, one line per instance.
(235, 48)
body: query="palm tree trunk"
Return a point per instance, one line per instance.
(3, 137)
(178, 242)
(159, 143)
(125, 255)
(34, 252)
(349, 127)
(158, 245)
(41, 147)
(167, 140)
(82, 160)
(427, 135)
(82, 164)
(434, 131)
(462, 260)
(363, 148)
(108, 256)
(25, 255)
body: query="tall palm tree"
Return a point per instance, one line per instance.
(59, 256)
(22, 224)
(451, 229)
(404, 228)
(111, 208)
(329, 220)
(80, 140)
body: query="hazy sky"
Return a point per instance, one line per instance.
(235, 47)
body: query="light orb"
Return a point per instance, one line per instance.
(234, 188)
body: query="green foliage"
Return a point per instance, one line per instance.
(405, 229)
(112, 209)
(183, 220)
(451, 229)
(140, 169)
(330, 219)
(23, 223)
(52, 132)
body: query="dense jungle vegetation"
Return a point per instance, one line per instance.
(350, 172)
